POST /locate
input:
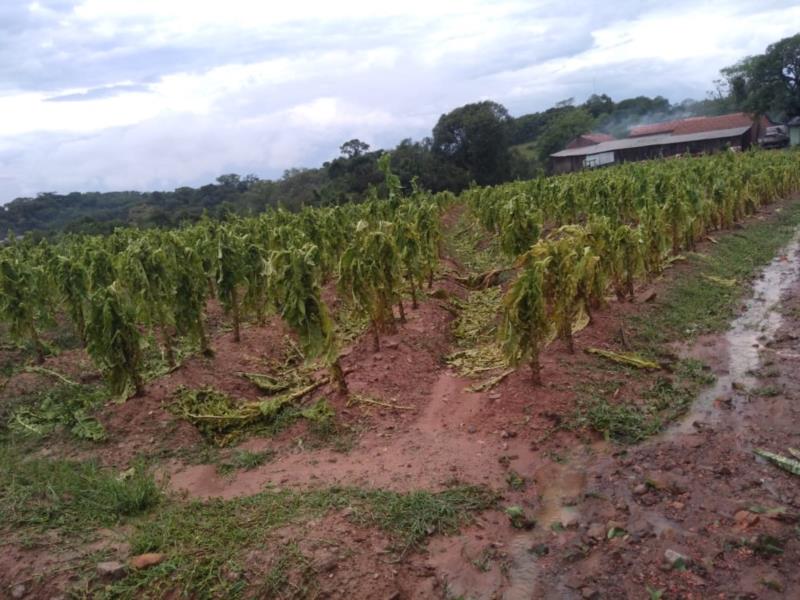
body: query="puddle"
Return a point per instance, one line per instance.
(562, 487)
(741, 344)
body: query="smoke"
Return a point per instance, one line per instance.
(620, 122)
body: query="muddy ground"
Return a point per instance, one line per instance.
(690, 513)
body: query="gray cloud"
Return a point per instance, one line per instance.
(100, 92)
(377, 78)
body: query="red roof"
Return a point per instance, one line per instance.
(597, 138)
(694, 125)
(590, 139)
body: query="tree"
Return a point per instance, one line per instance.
(598, 105)
(353, 148)
(768, 83)
(561, 130)
(475, 137)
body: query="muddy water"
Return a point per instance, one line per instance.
(737, 357)
(561, 487)
(740, 346)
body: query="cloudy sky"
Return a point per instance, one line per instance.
(154, 94)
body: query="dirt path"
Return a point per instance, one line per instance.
(692, 513)
(610, 521)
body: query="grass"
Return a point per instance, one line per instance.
(244, 460)
(203, 540)
(664, 400)
(41, 494)
(206, 544)
(693, 304)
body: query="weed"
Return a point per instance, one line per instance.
(515, 481)
(768, 391)
(204, 539)
(48, 494)
(244, 460)
(291, 575)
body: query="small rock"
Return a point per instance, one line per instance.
(640, 490)
(471, 429)
(327, 564)
(589, 593)
(18, 591)
(391, 344)
(143, 561)
(596, 531)
(112, 570)
(745, 519)
(676, 560)
(570, 521)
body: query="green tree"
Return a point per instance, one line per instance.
(475, 137)
(768, 83)
(562, 130)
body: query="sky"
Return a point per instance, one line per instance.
(155, 94)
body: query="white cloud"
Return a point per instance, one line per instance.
(160, 93)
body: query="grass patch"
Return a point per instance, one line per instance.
(203, 541)
(768, 391)
(244, 460)
(701, 299)
(59, 494)
(629, 423)
(694, 304)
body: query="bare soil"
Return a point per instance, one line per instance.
(696, 490)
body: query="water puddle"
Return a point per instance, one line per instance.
(742, 342)
(562, 486)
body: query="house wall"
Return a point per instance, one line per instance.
(794, 135)
(566, 164)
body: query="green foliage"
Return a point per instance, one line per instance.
(24, 296)
(768, 83)
(114, 340)
(475, 137)
(203, 539)
(58, 494)
(68, 406)
(525, 327)
(369, 273)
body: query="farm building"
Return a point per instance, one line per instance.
(695, 135)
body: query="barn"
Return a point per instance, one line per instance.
(695, 135)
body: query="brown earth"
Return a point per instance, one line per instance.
(696, 489)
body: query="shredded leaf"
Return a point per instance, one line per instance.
(787, 464)
(625, 358)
